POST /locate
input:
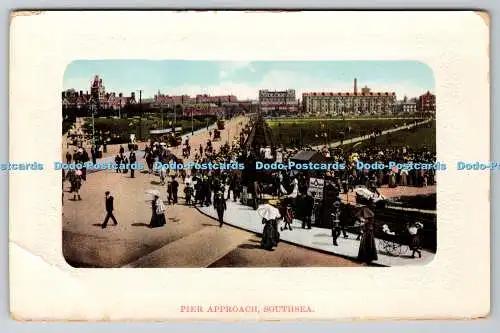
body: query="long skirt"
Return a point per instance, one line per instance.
(267, 241)
(161, 220)
(276, 234)
(415, 242)
(157, 220)
(367, 249)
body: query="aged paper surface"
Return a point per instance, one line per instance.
(454, 285)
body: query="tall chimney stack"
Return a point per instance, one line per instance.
(355, 85)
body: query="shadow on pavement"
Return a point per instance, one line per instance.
(140, 224)
(249, 246)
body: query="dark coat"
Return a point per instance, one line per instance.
(175, 186)
(220, 203)
(109, 204)
(132, 157)
(305, 205)
(367, 248)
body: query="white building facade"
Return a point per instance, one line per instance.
(364, 102)
(338, 103)
(407, 106)
(278, 100)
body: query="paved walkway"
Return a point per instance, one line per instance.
(246, 218)
(367, 137)
(203, 132)
(113, 149)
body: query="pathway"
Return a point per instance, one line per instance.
(363, 138)
(189, 239)
(320, 239)
(200, 136)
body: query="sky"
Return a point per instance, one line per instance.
(244, 79)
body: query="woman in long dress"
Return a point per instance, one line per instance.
(158, 213)
(76, 183)
(267, 242)
(367, 249)
(276, 233)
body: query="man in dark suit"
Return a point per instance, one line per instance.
(132, 160)
(93, 153)
(307, 205)
(175, 189)
(109, 210)
(220, 206)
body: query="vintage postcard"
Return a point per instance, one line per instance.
(181, 170)
(308, 176)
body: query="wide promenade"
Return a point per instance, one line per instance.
(190, 238)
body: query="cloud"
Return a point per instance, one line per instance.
(281, 80)
(228, 68)
(272, 80)
(223, 74)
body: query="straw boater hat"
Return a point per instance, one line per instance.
(274, 202)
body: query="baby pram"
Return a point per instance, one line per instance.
(366, 197)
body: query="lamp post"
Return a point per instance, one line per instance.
(175, 116)
(92, 110)
(140, 114)
(192, 122)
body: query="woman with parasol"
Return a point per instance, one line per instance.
(157, 207)
(270, 234)
(367, 249)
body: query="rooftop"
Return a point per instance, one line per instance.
(349, 94)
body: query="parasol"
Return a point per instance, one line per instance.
(268, 212)
(150, 195)
(364, 212)
(295, 191)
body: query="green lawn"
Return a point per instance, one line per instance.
(423, 136)
(274, 121)
(119, 130)
(311, 131)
